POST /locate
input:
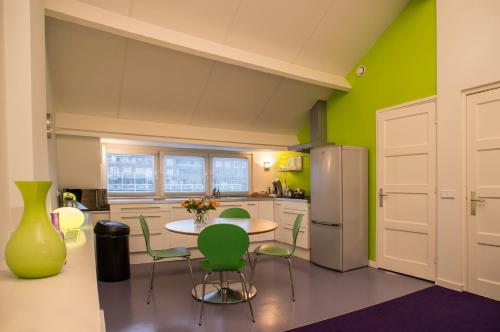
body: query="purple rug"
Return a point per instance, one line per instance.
(432, 309)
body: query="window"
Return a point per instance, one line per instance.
(230, 174)
(158, 172)
(184, 174)
(130, 173)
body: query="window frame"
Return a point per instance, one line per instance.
(131, 150)
(232, 155)
(163, 154)
(158, 179)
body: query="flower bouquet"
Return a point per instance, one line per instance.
(199, 208)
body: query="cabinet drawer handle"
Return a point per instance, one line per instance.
(137, 217)
(294, 213)
(251, 204)
(231, 205)
(141, 208)
(291, 229)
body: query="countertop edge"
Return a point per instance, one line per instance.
(112, 201)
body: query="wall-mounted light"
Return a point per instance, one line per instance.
(267, 165)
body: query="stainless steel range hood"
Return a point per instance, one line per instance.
(318, 128)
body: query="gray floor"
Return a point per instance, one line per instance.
(320, 294)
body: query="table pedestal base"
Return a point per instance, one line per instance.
(232, 292)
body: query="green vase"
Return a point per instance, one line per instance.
(35, 250)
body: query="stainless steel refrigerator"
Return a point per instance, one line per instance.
(339, 207)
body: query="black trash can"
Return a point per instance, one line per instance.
(111, 250)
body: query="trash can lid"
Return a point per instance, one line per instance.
(111, 228)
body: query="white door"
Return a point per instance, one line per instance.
(406, 189)
(483, 193)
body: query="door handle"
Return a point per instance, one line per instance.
(381, 197)
(473, 203)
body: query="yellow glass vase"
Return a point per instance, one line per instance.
(35, 250)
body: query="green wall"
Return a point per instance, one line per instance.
(400, 67)
(297, 180)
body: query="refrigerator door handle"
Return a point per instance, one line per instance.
(323, 223)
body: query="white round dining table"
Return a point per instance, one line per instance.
(223, 290)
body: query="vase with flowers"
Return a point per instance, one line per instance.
(199, 208)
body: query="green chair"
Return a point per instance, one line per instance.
(223, 246)
(238, 213)
(277, 251)
(234, 213)
(178, 252)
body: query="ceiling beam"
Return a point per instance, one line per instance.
(125, 26)
(87, 125)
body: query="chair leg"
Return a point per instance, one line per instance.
(250, 262)
(192, 278)
(247, 295)
(291, 277)
(203, 297)
(254, 269)
(148, 300)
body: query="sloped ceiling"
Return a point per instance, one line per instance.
(97, 73)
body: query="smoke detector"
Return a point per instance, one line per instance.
(360, 71)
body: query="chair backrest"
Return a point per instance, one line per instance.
(296, 229)
(234, 213)
(223, 245)
(145, 232)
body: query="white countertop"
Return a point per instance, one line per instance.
(145, 200)
(66, 302)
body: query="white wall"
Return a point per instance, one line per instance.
(4, 191)
(468, 53)
(52, 145)
(261, 179)
(78, 162)
(23, 139)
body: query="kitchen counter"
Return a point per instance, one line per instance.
(66, 302)
(133, 200)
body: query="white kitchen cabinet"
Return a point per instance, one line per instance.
(266, 211)
(285, 214)
(177, 212)
(94, 216)
(226, 205)
(250, 206)
(253, 209)
(279, 233)
(288, 219)
(156, 215)
(138, 207)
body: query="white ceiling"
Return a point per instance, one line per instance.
(97, 73)
(327, 35)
